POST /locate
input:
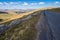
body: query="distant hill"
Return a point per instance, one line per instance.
(18, 11)
(55, 10)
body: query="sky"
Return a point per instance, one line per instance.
(28, 4)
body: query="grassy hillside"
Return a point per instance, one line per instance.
(23, 31)
(13, 16)
(6, 16)
(55, 10)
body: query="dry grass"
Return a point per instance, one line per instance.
(23, 31)
(16, 16)
(6, 16)
(21, 15)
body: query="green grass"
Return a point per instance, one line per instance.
(23, 31)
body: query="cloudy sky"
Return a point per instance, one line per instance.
(28, 4)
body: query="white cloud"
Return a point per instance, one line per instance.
(14, 2)
(25, 3)
(41, 3)
(1, 3)
(6, 3)
(11, 3)
(57, 2)
(33, 4)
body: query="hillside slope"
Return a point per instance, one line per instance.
(22, 31)
(55, 10)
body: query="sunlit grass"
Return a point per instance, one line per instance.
(23, 31)
(6, 16)
(15, 16)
